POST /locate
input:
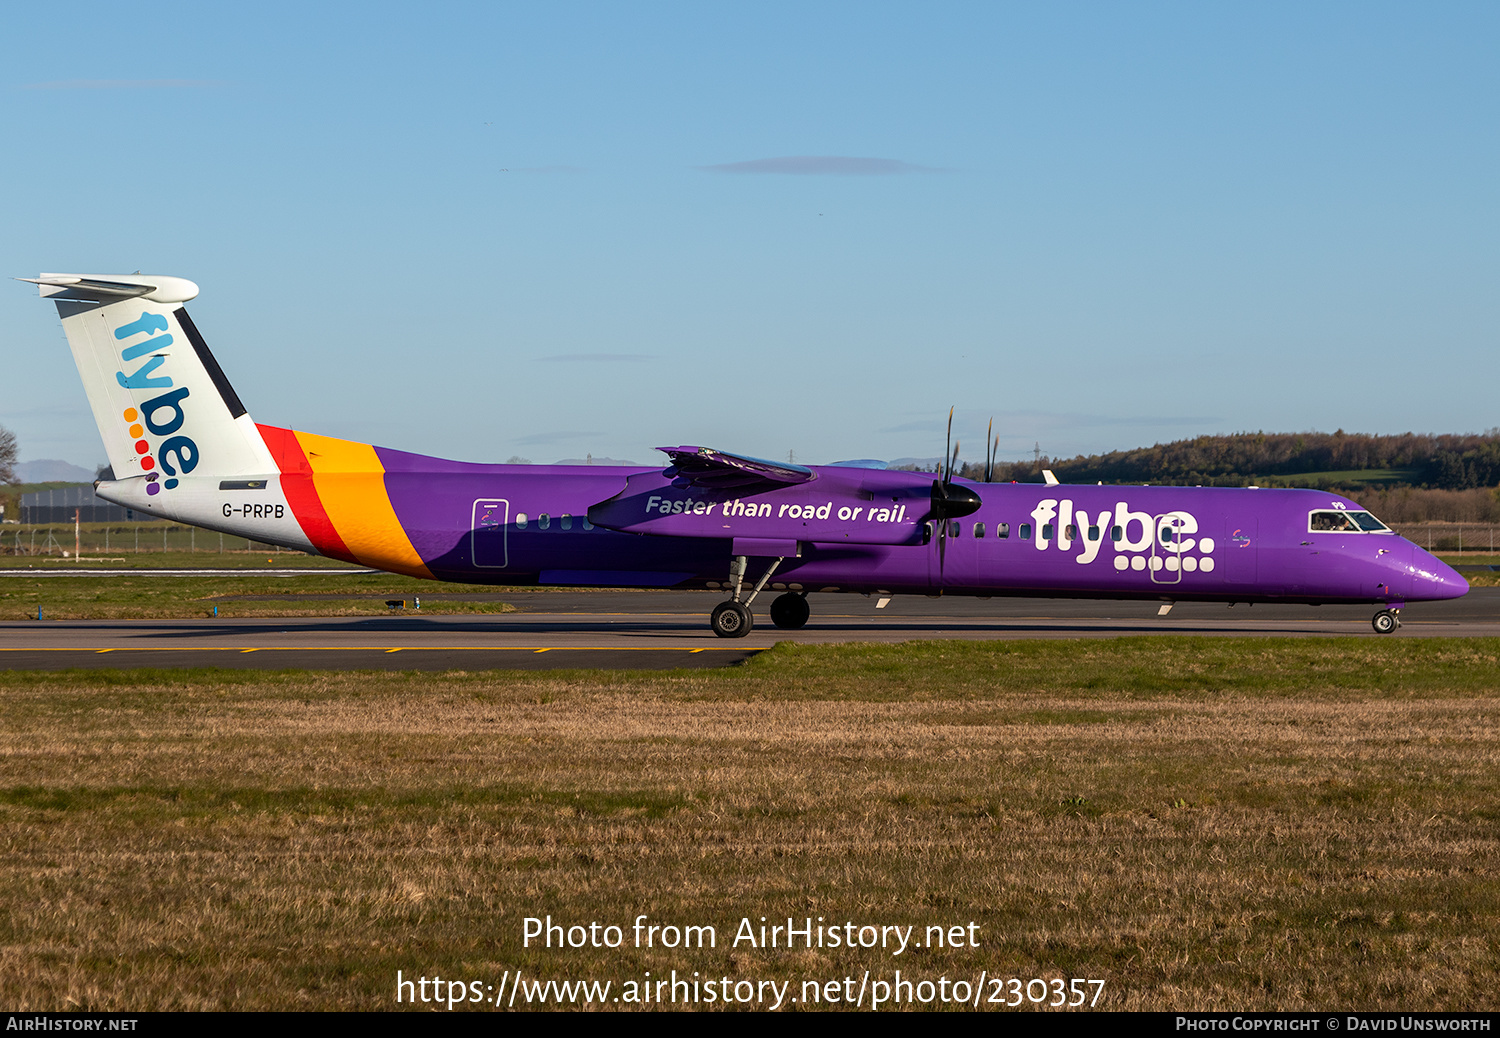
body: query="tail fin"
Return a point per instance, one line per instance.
(163, 405)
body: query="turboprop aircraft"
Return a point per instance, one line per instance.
(182, 446)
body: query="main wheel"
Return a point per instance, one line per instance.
(1385, 622)
(790, 611)
(731, 620)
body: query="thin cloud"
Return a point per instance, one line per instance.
(935, 425)
(546, 169)
(823, 166)
(555, 437)
(123, 84)
(599, 358)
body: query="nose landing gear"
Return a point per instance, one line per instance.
(1386, 621)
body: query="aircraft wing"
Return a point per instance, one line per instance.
(715, 470)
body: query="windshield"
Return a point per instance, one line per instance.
(1325, 522)
(1345, 522)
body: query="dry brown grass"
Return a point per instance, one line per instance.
(1215, 827)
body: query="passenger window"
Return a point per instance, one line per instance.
(567, 521)
(1116, 533)
(1025, 531)
(586, 524)
(1046, 531)
(955, 528)
(1072, 532)
(1093, 533)
(978, 531)
(520, 520)
(1168, 535)
(544, 520)
(1002, 530)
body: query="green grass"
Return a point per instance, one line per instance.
(237, 560)
(152, 597)
(1230, 824)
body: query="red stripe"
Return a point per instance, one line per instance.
(301, 494)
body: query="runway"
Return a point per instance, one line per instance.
(655, 630)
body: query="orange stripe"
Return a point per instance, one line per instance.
(350, 483)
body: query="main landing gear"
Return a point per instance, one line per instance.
(790, 611)
(1386, 621)
(733, 619)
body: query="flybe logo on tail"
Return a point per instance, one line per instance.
(162, 415)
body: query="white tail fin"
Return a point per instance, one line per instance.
(163, 406)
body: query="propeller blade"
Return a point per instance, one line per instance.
(989, 458)
(946, 444)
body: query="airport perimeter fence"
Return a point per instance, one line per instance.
(1468, 538)
(57, 539)
(102, 539)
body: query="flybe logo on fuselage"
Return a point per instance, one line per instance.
(162, 415)
(1141, 540)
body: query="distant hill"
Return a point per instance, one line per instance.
(50, 470)
(1333, 460)
(591, 460)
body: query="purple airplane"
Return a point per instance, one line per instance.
(183, 447)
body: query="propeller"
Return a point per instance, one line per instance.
(991, 452)
(950, 501)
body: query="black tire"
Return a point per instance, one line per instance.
(1385, 622)
(731, 620)
(790, 611)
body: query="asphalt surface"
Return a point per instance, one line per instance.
(667, 629)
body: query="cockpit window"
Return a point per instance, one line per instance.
(1368, 522)
(1331, 522)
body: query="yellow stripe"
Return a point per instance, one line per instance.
(350, 482)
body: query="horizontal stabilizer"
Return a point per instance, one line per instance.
(715, 470)
(110, 288)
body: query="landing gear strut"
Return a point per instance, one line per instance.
(1386, 621)
(732, 619)
(790, 611)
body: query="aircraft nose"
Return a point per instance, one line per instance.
(1432, 578)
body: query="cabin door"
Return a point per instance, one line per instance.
(488, 527)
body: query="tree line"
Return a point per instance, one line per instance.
(1445, 462)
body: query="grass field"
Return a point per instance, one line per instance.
(1202, 824)
(165, 597)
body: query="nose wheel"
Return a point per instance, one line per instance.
(1386, 621)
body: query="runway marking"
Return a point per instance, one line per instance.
(392, 650)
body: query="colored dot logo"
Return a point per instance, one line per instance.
(143, 448)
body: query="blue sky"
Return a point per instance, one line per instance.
(488, 230)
